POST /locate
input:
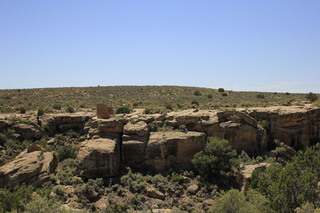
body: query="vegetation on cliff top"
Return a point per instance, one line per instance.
(154, 98)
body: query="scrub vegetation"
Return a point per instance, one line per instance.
(153, 98)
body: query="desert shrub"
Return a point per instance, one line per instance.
(260, 95)
(168, 106)
(287, 93)
(42, 205)
(16, 200)
(70, 109)
(72, 134)
(24, 121)
(46, 128)
(40, 111)
(209, 96)
(160, 182)
(17, 145)
(135, 181)
(92, 186)
(22, 110)
(136, 103)
(253, 202)
(116, 205)
(137, 201)
(57, 106)
(66, 152)
(311, 97)
(246, 104)
(195, 102)
(245, 159)
(264, 124)
(217, 156)
(3, 139)
(224, 94)
(123, 110)
(177, 178)
(66, 172)
(197, 93)
(220, 90)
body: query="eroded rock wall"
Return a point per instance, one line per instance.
(295, 126)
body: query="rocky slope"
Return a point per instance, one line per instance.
(162, 141)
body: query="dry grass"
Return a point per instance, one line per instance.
(154, 98)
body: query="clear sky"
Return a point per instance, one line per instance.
(241, 45)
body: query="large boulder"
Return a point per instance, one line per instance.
(32, 166)
(99, 157)
(104, 127)
(103, 111)
(140, 128)
(173, 148)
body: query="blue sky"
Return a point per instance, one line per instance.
(246, 45)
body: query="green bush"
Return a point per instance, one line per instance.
(197, 93)
(217, 156)
(236, 201)
(209, 96)
(72, 134)
(311, 97)
(66, 152)
(40, 111)
(70, 109)
(220, 90)
(264, 124)
(260, 95)
(3, 139)
(168, 106)
(177, 178)
(24, 121)
(57, 106)
(195, 102)
(123, 110)
(22, 110)
(224, 94)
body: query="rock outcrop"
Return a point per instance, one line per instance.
(103, 111)
(104, 127)
(162, 141)
(32, 166)
(99, 157)
(28, 131)
(166, 149)
(295, 126)
(133, 148)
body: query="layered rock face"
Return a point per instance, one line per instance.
(160, 141)
(141, 139)
(47, 124)
(295, 126)
(32, 166)
(167, 149)
(239, 128)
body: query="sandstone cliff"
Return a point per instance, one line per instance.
(161, 141)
